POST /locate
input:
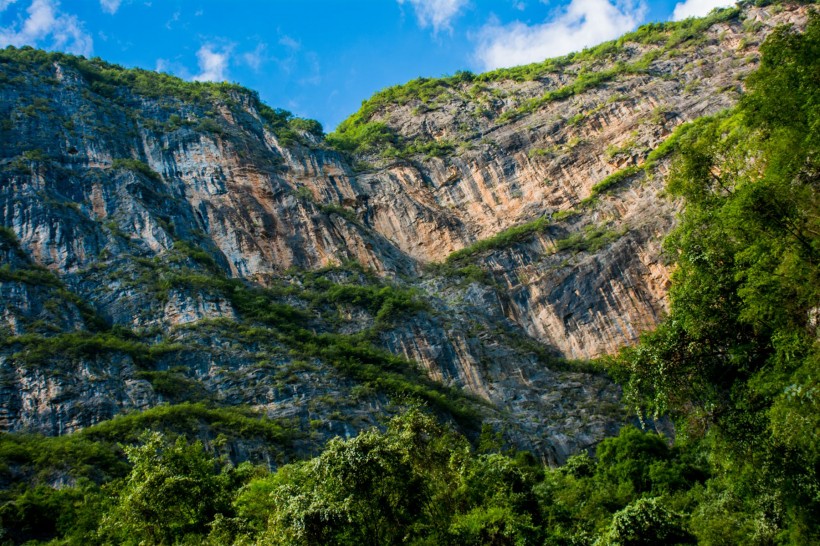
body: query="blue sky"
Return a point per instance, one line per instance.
(321, 58)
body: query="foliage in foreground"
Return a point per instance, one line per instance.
(417, 482)
(737, 360)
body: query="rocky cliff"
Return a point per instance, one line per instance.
(461, 242)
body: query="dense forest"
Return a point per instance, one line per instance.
(734, 365)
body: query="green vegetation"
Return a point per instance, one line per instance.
(502, 239)
(174, 386)
(93, 463)
(362, 134)
(113, 83)
(466, 274)
(208, 125)
(583, 82)
(613, 180)
(37, 350)
(736, 362)
(416, 482)
(431, 148)
(33, 275)
(137, 166)
(669, 145)
(189, 419)
(288, 128)
(592, 239)
(363, 137)
(8, 238)
(344, 212)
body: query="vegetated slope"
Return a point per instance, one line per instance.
(736, 363)
(457, 161)
(117, 322)
(169, 242)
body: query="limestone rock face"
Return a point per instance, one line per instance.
(504, 173)
(169, 244)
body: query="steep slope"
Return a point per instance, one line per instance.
(158, 249)
(461, 159)
(171, 242)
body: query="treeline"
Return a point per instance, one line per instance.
(418, 482)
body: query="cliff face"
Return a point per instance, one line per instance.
(512, 163)
(168, 242)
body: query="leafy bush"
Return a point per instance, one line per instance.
(8, 237)
(174, 386)
(647, 522)
(136, 166)
(172, 492)
(208, 125)
(363, 138)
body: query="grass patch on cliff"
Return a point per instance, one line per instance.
(611, 181)
(672, 143)
(137, 166)
(232, 422)
(583, 82)
(174, 386)
(263, 313)
(551, 360)
(8, 238)
(39, 350)
(465, 274)
(592, 239)
(32, 275)
(502, 239)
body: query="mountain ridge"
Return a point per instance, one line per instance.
(159, 199)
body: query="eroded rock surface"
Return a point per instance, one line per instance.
(136, 223)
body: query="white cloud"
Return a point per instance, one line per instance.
(697, 8)
(47, 26)
(213, 64)
(290, 43)
(582, 23)
(110, 6)
(255, 58)
(169, 24)
(436, 13)
(174, 67)
(5, 3)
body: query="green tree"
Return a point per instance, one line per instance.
(173, 491)
(376, 488)
(646, 522)
(737, 358)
